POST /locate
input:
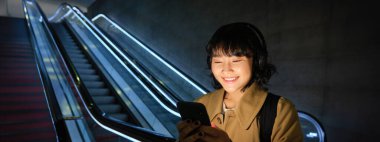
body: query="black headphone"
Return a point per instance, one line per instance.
(257, 33)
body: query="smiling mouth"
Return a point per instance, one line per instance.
(230, 79)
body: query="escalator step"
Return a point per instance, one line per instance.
(86, 71)
(77, 56)
(104, 99)
(73, 50)
(66, 38)
(120, 116)
(71, 46)
(82, 66)
(80, 60)
(86, 77)
(110, 108)
(69, 41)
(98, 91)
(94, 84)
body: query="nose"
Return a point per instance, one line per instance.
(227, 67)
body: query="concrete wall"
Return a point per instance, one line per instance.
(325, 51)
(11, 8)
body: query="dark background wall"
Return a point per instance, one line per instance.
(326, 51)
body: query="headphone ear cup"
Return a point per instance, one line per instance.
(258, 35)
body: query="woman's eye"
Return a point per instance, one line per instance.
(217, 62)
(235, 61)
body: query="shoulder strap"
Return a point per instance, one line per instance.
(266, 117)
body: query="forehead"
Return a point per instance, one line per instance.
(226, 53)
(230, 49)
(218, 57)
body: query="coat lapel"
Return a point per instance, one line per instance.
(247, 109)
(250, 105)
(215, 103)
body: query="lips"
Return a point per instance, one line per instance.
(229, 79)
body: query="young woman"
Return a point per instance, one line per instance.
(237, 57)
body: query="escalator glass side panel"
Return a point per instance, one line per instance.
(100, 92)
(169, 120)
(164, 96)
(170, 77)
(137, 97)
(50, 65)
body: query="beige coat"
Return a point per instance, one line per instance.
(241, 123)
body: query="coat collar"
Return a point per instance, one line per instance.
(246, 111)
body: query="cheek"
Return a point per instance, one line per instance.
(247, 70)
(214, 73)
(214, 69)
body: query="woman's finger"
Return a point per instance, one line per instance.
(182, 124)
(187, 128)
(194, 137)
(214, 132)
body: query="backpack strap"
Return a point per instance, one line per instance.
(266, 117)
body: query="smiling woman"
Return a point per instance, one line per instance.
(241, 109)
(233, 73)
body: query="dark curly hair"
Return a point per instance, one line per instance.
(242, 39)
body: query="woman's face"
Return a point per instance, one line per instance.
(232, 72)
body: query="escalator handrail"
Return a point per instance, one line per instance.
(94, 39)
(54, 110)
(167, 108)
(64, 96)
(157, 56)
(125, 130)
(155, 85)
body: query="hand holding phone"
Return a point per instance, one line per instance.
(193, 111)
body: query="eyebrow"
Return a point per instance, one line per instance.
(230, 56)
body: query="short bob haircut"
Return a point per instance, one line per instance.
(242, 39)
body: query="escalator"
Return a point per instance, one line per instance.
(30, 115)
(144, 98)
(58, 56)
(94, 83)
(152, 93)
(61, 60)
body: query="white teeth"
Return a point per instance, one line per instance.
(230, 79)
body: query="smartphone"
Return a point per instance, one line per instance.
(193, 111)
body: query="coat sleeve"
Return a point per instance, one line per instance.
(286, 127)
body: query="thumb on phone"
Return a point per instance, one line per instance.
(213, 125)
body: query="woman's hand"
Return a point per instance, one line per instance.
(190, 131)
(213, 134)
